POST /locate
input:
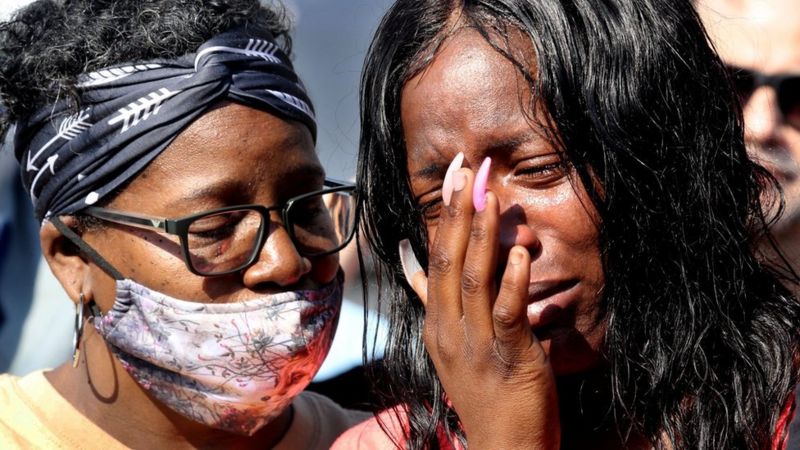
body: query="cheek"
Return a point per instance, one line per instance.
(152, 260)
(324, 269)
(104, 288)
(158, 262)
(566, 218)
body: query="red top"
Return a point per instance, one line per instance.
(369, 435)
(781, 438)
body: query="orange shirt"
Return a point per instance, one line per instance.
(34, 415)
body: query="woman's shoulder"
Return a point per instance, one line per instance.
(12, 401)
(20, 426)
(318, 421)
(7, 383)
(33, 414)
(328, 411)
(386, 431)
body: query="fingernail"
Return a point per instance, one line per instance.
(459, 181)
(515, 258)
(408, 260)
(479, 188)
(447, 183)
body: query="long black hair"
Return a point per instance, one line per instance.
(701, 337)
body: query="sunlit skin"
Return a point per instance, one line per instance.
(763, 35)
(469, 100)
(500, 333)
(231, 155)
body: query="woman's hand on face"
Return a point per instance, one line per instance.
(494, 370)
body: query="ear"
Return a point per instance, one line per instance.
(66, 261)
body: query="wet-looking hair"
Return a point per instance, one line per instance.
(701, 337)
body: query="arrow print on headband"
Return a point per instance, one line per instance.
(105, 76)
(141, 109)
(255, 47)
(69, 128)
(51, 162)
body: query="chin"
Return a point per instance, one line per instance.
(570, 351)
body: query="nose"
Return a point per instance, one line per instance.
(762, 116)
(516, 229)
(278, 263)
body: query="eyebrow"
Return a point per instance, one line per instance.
(435, 170)
(509, 144)
(432, 171)
(200, 194)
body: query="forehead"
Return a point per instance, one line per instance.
(756, 34)
(469, 92)
(232, 132)
(231, 145)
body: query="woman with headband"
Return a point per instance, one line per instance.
(572, 178)
(168, 148)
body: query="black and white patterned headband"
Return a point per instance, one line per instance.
(130, 113)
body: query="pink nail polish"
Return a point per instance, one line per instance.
(479, 189)
(447, 183)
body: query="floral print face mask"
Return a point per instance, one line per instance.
(233, 366)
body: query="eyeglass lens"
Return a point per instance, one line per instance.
(322, 223)
(223, 242)
(787, 91)
(228, 241)
(789, 99)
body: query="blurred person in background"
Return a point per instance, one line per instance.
(759, 41)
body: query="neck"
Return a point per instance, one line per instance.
(587, 418)
(102, 391)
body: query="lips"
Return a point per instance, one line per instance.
(548, 301)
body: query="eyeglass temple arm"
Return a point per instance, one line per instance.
(86, 248)
(135, 220)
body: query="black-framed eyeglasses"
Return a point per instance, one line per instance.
(786, 86)
(229, 239)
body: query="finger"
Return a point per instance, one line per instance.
(511, 328)
(446, 259)
(478, 289)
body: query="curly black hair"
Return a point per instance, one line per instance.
(46, 45)
(701, 338)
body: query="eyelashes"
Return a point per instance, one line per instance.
(430, 210)
(553, 169)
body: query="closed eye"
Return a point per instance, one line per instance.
(430, 210)
(543, 173)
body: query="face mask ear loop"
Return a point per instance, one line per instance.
(91, 253)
